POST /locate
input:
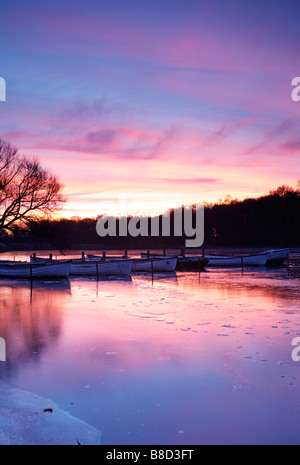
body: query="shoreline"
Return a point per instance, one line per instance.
(210, 249)
(29, 419)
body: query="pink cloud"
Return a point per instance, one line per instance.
(197, 45)
(221, 108)
(292, 146)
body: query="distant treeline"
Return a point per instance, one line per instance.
(272, 220)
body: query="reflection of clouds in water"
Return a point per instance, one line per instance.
(30, 318)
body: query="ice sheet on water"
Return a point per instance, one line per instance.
(27, 419)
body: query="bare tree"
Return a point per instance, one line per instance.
(283, 191)
(27, 191)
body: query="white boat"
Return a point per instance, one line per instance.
(97, 267)
(102, 268)
(237, 260)
(276, 257)
(34, 270)
(154, 264)
(184, 262)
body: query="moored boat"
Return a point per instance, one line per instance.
(237, 260)
(266, 258)
(193, 263)
(95, 267)
(34, 270)
(276, 257)
(154, 264)
(151, 264)
(184, 262)
(102, 268)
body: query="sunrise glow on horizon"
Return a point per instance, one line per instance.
(165, 103)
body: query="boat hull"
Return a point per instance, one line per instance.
(277, 257)
(35, 270)
(191, 263)
(239, 261)
(154, 264)
(184, 263)
(95, 267)
(102, 268)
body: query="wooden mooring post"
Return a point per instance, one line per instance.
(97, 271)
(152, 271)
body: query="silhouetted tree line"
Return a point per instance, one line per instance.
(272, 220)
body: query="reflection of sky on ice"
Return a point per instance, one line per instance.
(184, 359)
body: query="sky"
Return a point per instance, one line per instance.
(153, 104)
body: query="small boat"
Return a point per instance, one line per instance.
(191, 263)
(266, 258)
(259, 259)
(105, 257)
(276, 257)
(34, 270)
(102, 268)
(97, 267)
(154, 264)
(184, 262)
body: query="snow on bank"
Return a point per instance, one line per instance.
(27, 419)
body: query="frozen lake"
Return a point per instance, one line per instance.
(183, 358)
